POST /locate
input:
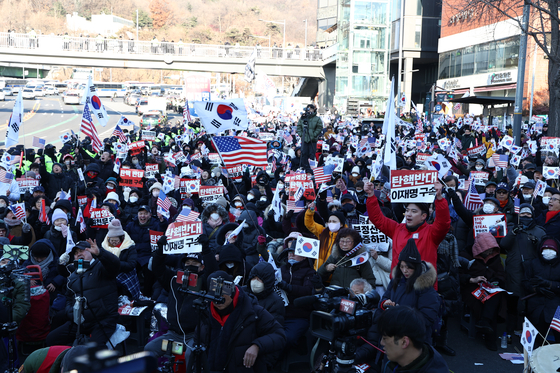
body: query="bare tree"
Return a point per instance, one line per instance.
(543, 28)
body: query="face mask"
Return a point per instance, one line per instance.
(215, 216)
(546, 200)
(525, 221)
(230, 265)
(133, 199)
(257, 286)
(280, 186)
(67, 163)
(359, 191)
(348, 207)
(109, 186)
(3, 204)
(355, 174)
(57, 228)
(238, 204)
(92, 175)
(478, 168)
(134, 161)
(292, 261)
(527, 196)
(549, 254)
(334, 227)
(530, 175)
(263, 199)
(250, 197)
(155, 193)
(488, 208)
(245, 225)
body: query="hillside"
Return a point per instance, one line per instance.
(199, 21)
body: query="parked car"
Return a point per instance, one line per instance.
(152, 119)
(51, 91)
(8, 91)
(72, 98)
(28, 94)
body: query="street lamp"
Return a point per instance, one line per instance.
(279, 23)
(305, 20)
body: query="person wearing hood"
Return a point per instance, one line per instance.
(154, 194)
(4, 203)
(542, 279)
(58, 232)
(213, 217)
(43, 254)
(486, 268)
(521, 245)
(253, 235)
(56, 181)
(92, 181)
(119, 243)
(132, 198)
(340, 264)
(106, 165)
(232, 261)
(263, 186)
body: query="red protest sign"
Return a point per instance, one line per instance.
(136, 147)
(182, 237)
(295, 181)
(413, 186)
(210, 193)
(100, 218)
(235, 173)
(154, 237)
(131, 178)
(151, 169)
(476, 150)
(82, 200)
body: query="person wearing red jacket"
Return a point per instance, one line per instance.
(427, 236)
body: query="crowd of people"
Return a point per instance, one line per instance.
(429, 271)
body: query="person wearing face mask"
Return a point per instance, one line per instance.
(58, 232)
(56, 181)
(253, 235)
(506, 205)
(232, 261)
(261, 285)
(354, 177)
(326, 235)
(237, 205)
(213, 217)
(521, 244)
(154, 194)
(132, 201)
(550, 219)
(93, 183)
(351, 209)
(526, 196)
(542, 279)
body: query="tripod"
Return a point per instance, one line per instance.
(78, 311)
(340, 358)
(9, 328)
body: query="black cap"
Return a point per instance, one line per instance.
(144, 207)
(410, 253)
(195, 256)
(80, 245)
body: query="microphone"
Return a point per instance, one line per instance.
(305, 301)
(81, 268)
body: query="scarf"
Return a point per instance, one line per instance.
(550, 215)
(44, 264)
(12, 222)
(504, 203)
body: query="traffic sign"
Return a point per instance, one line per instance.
(438, 107)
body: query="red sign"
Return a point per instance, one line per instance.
(82, 200)
(136, 147)
(296, 180)
(100, 218)
(131, 177)
(154, 237)
(210, 193)
(476, 150)
(235, 173)
(151, 169)
(197, 83)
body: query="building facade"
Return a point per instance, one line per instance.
(327, 11)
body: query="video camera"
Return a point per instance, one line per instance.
(218, 286)
(99, 360)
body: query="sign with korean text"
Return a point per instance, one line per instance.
(27, 184)
(372, 237)
(182, 237)
(82, 201)
(154, 237)
(210, 193)
(410, 186)
(188, 186)
(148, 135)
(494, 223)
(295, 181)
(100, 218)
(421, 158)
(214, 157)
(266, 136)
(151, 170)
(136, 147)
(550, 143)
(131, 178)
(476, 150)
(480, 177)
(236, 172)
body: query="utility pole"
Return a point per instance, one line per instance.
(517, 118)
(533, 81)
(305, 20)
(401, 27)
(137, 25)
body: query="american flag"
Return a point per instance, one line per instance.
(5, 176)
(296, 206)
(329, 196)
(120, 134)
(241, 150)
(473, 200)
(187, 215)
(163, 201)
(39, 142)
(19, 210)
(80, 219)
(186, 114)
(500, 160)
(323, 174)
(516, 203)
(88, 129)
(555, 324)
(299, 193)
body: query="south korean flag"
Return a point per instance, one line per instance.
(220, 116)
(307, 247)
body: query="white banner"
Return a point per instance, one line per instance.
(16, 120)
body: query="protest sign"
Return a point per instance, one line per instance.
(266, 136)
(82, 201)
(182, 237)
(154, 237)
(307, 247)
(214, 157)
(27, 184)
(338, 162)
(151, 170)
(480, 177)
(476, 150)
(410, 186)
(421, 158)
(372, 237)
(494, 223)
(100, 218)
(131, 178)
(136, 147)
(550, 143)
(148, 135)
(236, 172)
(486, 291)
(130, 310)
(210, 193)
(295, 181)
(188, 186)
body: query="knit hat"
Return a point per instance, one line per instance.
(112, 195)
(115, 229)
(550, 243)
(526, 208)
(410, 253)
(340, 217)
(59, 214)
(40, 249)
(156, 185)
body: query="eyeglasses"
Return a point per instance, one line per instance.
(555, 199)
(346, 241)
(501, 192)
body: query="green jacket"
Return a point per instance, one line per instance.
(344, 274)
(20, 306)
(315, 125)
(48, 359)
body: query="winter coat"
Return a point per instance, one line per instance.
(210, 232)
(250, 235)
(344, 274)
(140, 234)
(246, 325)
(382, 269)
(52, 277)
(435, 364)
(56, 183)
(99, 286)
(17, 237)
(551, 227)
(20, 306)
(299, 276)
(427, 236)
(130, 211)
(520, 248)
(325, 236)
(105, 169)
(126, 253)
(268, 298)
(58, 240)
(315, 128)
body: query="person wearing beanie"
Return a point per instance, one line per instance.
(413, 286)
(427, 236)
(234, 349)
(154, 194)
(43, 254)
(119, 243)
(326, 235)
(58, 231)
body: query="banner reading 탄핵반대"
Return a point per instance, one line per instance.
(182, 237)
(410, 186)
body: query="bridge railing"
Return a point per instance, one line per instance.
(58, 44)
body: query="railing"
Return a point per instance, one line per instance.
(53, 44)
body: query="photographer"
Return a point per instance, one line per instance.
(309, 128)
(98, 285)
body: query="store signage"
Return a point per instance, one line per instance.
(500, 78)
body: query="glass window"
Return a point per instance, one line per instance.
(332, 2)
(418, 33)
(458, 60)
(323, 3)
(370, 12)
(511, 53)
(481, 59)
(444, 65)
(468, 61)
(370, 39)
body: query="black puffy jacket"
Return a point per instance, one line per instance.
(299, 276)
(140, 234)
(268, 298)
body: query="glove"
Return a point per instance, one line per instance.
(543, 283)
(516, 230)
(161, 243)
(535, 282)
(362, 299)
(285, 286)
(261, 239)
(64, 230)
(26, 228)
(316, 281)
(290, 214)
(545, 292)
